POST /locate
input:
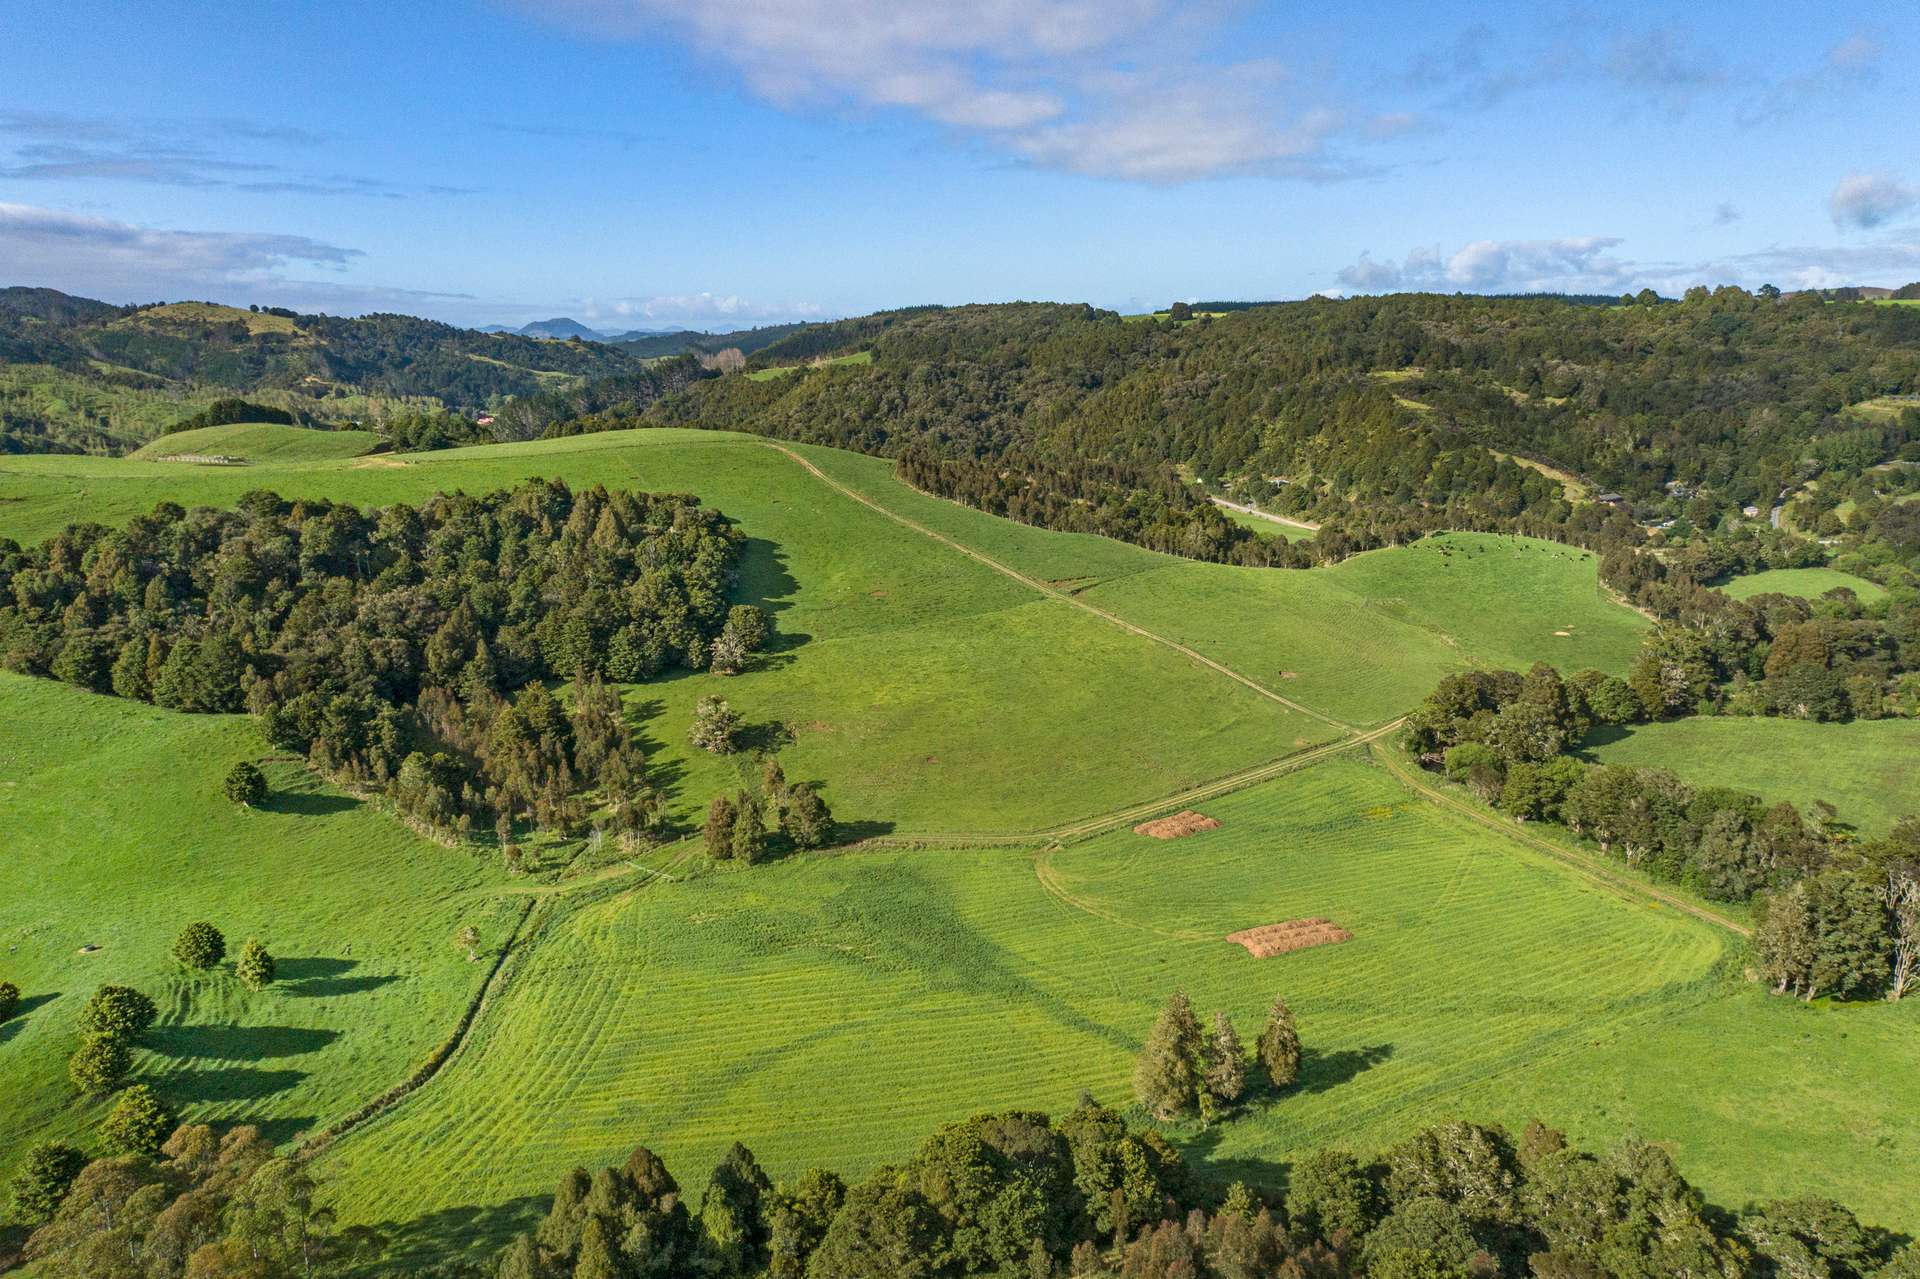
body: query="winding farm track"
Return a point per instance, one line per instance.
(1051, 840)
(1259, 514)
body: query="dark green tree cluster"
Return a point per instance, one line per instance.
(1185, 1070)
(9, 999)
(981, 1197)
(737, 829)
(200, 945)
(1018, 1193)
(1833, 658)
(332, 624)
(111, 1021)
(189, 1202)
(227, 411)
(422, 431)
(245, 784)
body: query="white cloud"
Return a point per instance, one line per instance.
(1108, 88)
(120, 262)
(1589, 264)
(1868, 200)
(1579, 264)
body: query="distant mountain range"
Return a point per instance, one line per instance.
(560, 328)
(651, 343)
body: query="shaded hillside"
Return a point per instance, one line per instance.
(176, 352)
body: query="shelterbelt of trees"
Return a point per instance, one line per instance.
(358, 637)
(1009, 1193)
(1379, 418)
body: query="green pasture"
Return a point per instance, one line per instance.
(1810, 583)
(928, 692)
(261, 442)
(117, 836)
(833, 1010)
(1869, 771)
(782, 370)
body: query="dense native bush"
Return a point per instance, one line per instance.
(1020, 1193)
(358, 636)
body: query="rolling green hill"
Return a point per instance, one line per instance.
(118, 837)
(260, 442)
(991, 706)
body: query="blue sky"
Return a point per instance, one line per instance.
(647, 163)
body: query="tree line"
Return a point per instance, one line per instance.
(1085, 1194)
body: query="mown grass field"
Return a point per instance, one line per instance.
(261, 442)
(1869, 770)
(117, 836)
(1808, 582)
(834, 1010)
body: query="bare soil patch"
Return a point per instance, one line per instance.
(1269, 940)
(1185, 822)
(379, 461)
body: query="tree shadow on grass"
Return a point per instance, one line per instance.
(237, 1043)
(1600, 735)
(470, 1233)
(1220, 1173)
(1321, 1071)
(227, 1083)
(763, 580)
(18, 1021)
(319, 978)
(306, 803)
(855, 831)
(769, 737)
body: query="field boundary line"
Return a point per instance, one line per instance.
(1035, 584)
(1591, 867)
(1101, 823)
(423, 1074)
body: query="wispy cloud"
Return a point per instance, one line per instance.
(1666, 69)
(1868, 200)
(1131, 89)
(117, 260)
(223, 152)
(1578, 264)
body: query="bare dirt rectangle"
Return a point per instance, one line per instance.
(1269, 940)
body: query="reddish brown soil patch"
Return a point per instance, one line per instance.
(1184, 822)
(1269, 940)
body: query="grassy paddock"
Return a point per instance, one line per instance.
(117, 836)
(834, 1010)
(1810, 583)
(1870, 771)
(262, 442)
